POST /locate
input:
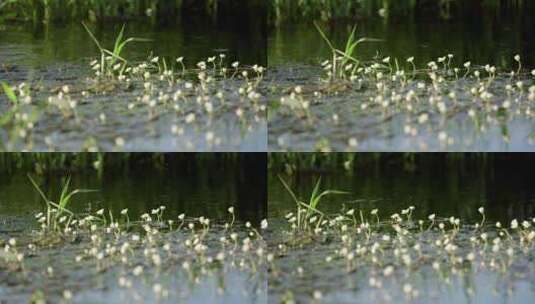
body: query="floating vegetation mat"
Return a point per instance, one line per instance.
(153, 105)
(388, 105)
(354, 257)
(100, 258)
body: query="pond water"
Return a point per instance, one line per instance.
(479, 37)
(82, 267)
(359, 117)
(194, 193)
(504, 188)
(343, 265)
(32, 48)
(49, 58)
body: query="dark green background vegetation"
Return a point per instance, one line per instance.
(329, 10)
(158, 10)
(352, 162)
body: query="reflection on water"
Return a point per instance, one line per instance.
(24, 47)
(504, 188)
(347, 261)
(477, 37)
(369, 115)
(96, 258)
(59, 56)
(206, 191)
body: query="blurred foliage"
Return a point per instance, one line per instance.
(327, 10)
(44, 163)
(46, 11)
(291, 163)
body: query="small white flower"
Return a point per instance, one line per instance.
(514, 224)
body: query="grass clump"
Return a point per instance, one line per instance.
(111, 61)
(56, 212)
(343, 62)
(308, 214)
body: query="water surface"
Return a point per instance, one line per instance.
(197, 190)
(479, 37)
(49, 57)
(306, 265)
(295, 52)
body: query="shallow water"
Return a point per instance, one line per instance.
(481, 39)
(505, 189)
(197, 194)
(384, 120)
(51, 57)
(191, 191)
(30, 48)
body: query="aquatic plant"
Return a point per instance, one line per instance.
(57, 212)
(391, 256)
(8, 91)
(343, 60)
(146, 256)
(384, 92)
(109, 58)
(194, 95)
(307, 213)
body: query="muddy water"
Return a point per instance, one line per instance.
(336, 118)
(58, 55)
(505, 189)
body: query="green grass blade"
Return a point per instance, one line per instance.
(115, 56)
(10, 93)
(324, 36)
(68, 197)
(289, 190)
(62, 201)
(119, 39)
(47, 201)
(311, 209)
(93, 37)
(314, 193)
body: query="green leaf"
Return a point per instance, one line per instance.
(10, 93)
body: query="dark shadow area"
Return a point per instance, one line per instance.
(202, 184)
(448, 184)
